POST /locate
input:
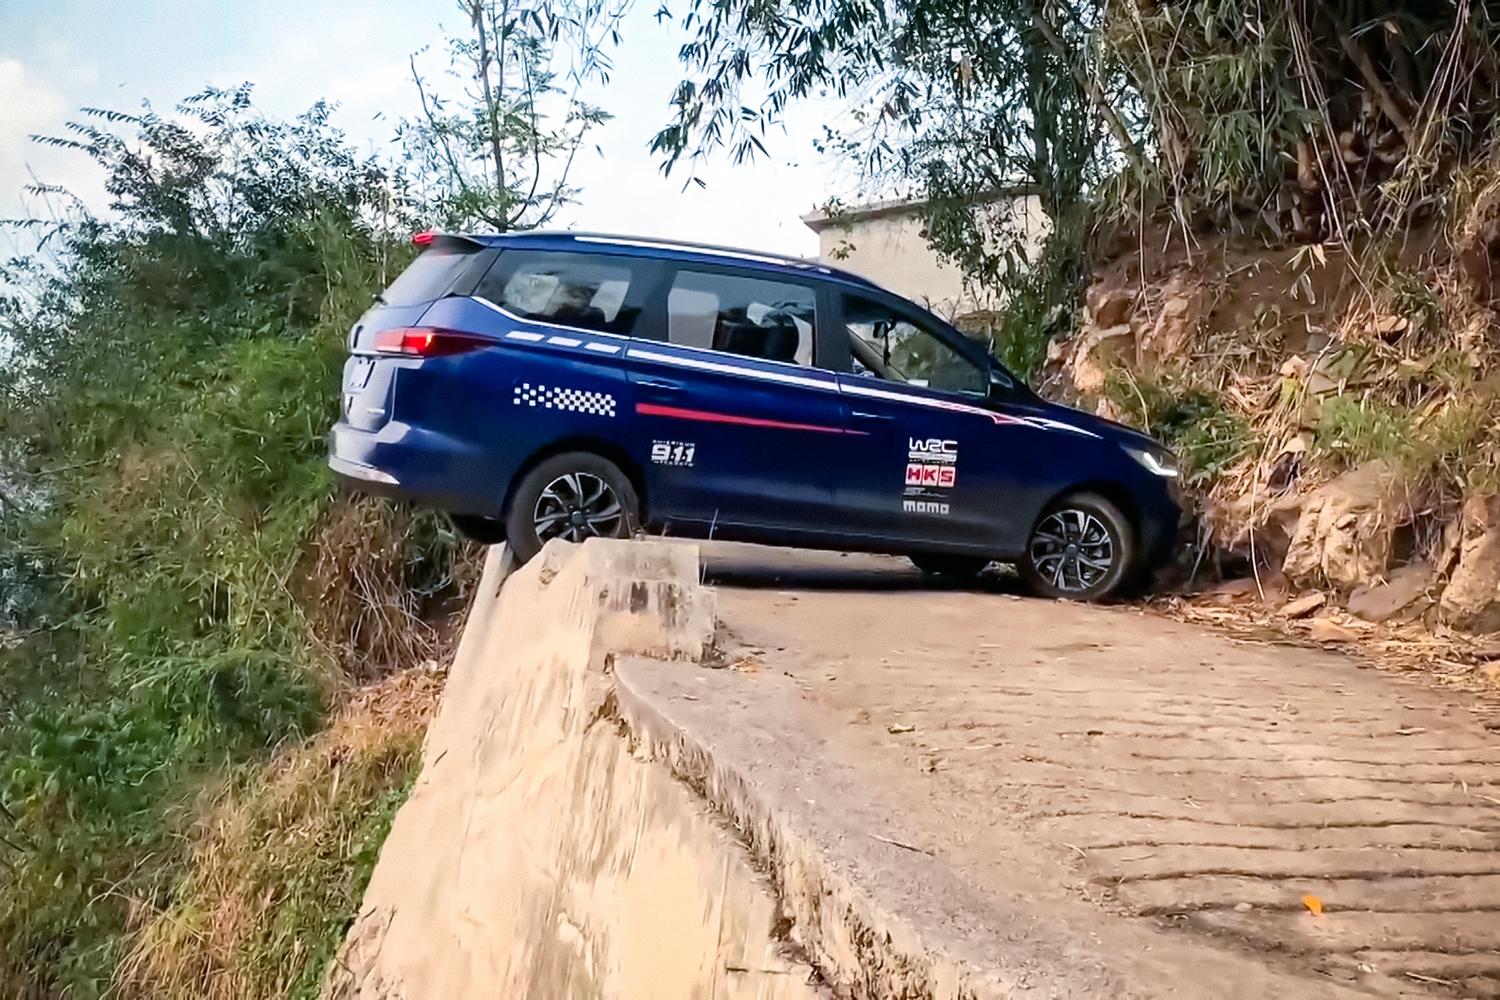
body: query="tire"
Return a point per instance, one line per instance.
(574, 496)
(952, 567)
(483, 530)
(1081, 548)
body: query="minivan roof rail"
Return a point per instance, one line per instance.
(656, 242)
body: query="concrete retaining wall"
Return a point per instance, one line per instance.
(536, 857)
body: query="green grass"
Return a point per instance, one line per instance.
(1208, 437)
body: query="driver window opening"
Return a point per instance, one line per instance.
(885, 345)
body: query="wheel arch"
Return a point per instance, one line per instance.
(1111, 490)
(584, 443)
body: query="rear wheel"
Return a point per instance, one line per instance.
(1081, 548)
(575, 496)
(953, 567)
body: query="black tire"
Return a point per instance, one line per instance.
(476, 528)
(1081, 548)
(950, 566)
(577, 495)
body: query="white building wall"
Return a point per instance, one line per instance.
(886, 245)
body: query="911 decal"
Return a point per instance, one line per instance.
(674, 453)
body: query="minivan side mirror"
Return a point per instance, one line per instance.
(1002, 386)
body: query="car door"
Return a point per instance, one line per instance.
(739, 427)
(928, 456)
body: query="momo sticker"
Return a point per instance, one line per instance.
(674, 453)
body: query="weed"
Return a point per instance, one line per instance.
(1207, 436)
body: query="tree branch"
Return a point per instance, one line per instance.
(1383, 96)
(432, 123)
(1091, 86)
(492, 110)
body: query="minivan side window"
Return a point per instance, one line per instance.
(583, 291)
(752, 317)
(885, 344)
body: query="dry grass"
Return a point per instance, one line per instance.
(1447, 656)
(360, 611)
(281, 857)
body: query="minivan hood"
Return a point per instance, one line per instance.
(1109, 430)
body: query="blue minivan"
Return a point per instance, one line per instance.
(565, 385)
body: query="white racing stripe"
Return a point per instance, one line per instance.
(723, 369)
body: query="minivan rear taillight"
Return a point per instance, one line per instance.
(426, 342)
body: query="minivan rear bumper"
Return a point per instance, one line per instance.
(413, 465)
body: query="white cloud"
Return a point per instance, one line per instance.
(30, 105)
(34, 105)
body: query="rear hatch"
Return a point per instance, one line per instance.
(447, 265)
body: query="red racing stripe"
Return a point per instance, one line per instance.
(679, 413)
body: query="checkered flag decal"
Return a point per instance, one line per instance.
(555, 398)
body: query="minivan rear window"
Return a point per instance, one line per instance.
(430, 275)
(586, 291)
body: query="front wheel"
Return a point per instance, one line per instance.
(1081, 548)
(574, 497)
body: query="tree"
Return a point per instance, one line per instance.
(961, 105)
(499, 152)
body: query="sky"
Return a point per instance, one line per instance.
(59, 55)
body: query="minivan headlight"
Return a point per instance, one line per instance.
(1157, 461)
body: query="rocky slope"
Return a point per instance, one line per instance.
(1337, 418)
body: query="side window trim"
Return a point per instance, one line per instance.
(672, 268)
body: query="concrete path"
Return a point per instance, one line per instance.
(1212, 792)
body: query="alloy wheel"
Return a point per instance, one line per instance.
(575, 506)
(1072, 550)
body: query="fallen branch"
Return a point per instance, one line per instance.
(1383, 96)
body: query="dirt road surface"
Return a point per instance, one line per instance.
(1217, 790)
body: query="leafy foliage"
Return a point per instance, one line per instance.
(174, 365)
(498, 150)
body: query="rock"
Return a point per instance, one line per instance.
(1306, 604)
(1378, 602)
(1107, 409)
(1472, 598)
(1096, 353)
(1184, 303)
(1328, 630)
(1345, 527)
(1109, 304)
(1226, 591)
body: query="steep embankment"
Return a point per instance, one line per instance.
(1337, 415)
